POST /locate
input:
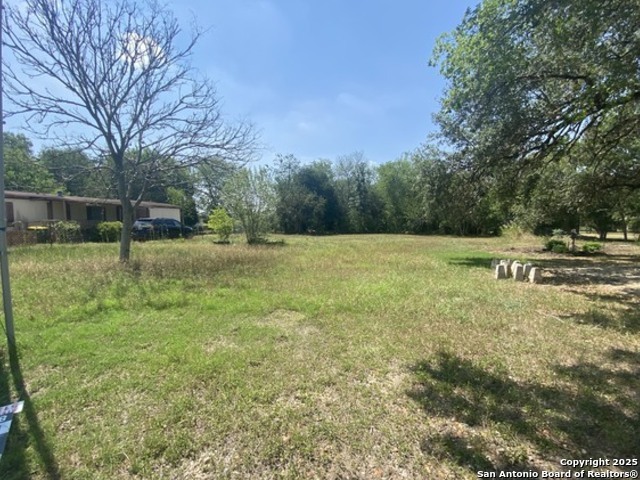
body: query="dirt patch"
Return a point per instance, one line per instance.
(291, 321)
(614, 274)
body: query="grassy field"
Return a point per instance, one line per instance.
(352, 357)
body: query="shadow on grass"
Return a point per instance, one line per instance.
(616, 279)
(471, 262)
(25, 430)
(592, 409)
(626, 320)
(600, 270)
(579, 274)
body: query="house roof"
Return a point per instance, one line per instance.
(72, 199)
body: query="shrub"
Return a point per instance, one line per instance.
(66, 232)
(221, 224)
(558, 232)
(592, 247)
(556, 246)
(109, 231)
(560, 248)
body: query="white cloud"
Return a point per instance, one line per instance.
(140, 50)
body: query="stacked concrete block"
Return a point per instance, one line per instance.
(501, 271)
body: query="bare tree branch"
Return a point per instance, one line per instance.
(115, 79)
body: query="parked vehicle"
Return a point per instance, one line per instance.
(156, 228)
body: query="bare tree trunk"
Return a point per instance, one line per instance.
(125, 237)
(127, 212)
(625, 228)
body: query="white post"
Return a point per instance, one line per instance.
(4, 260)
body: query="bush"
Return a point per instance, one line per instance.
(221, 224)
(560, 248)
(592, 247)
(556, 246)
(66, 232)
(109, 231)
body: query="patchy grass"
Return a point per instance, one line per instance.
(328, 357)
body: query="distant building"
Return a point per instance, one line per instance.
(25, 209)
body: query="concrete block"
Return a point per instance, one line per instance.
(535, 275)
(527, 269)
(501, 272)
(518, 272)
(507, 266)
(494, 263)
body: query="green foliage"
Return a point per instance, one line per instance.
(75, 172)
(306, 197)
(529, 78)
(361, 202)
(221, 224)
(250, 197)
(560, 248)
(513, 230)
(397, 189)
(109, 231)
(187, 204)
(209, 179)
(592, 247)
(22, 171)
(452, 201)
(556, 246)
(66, 232)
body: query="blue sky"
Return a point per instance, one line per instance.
(323, 78)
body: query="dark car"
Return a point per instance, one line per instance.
(154, 228)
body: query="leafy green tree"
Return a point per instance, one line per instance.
(292, 198)
(321, 205)
(220, 223)
(355, 179)
(75, 172)
(545, 200)
(528, 79)
(396, 188)
(22, 171)
(306, 197)
(452, 200)
(250, 198)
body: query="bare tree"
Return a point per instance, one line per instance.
(114, 78)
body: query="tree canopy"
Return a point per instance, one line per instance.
(529, 79)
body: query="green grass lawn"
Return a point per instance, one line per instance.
(328, 357)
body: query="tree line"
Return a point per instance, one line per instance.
(539, 130)
(422, 192)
